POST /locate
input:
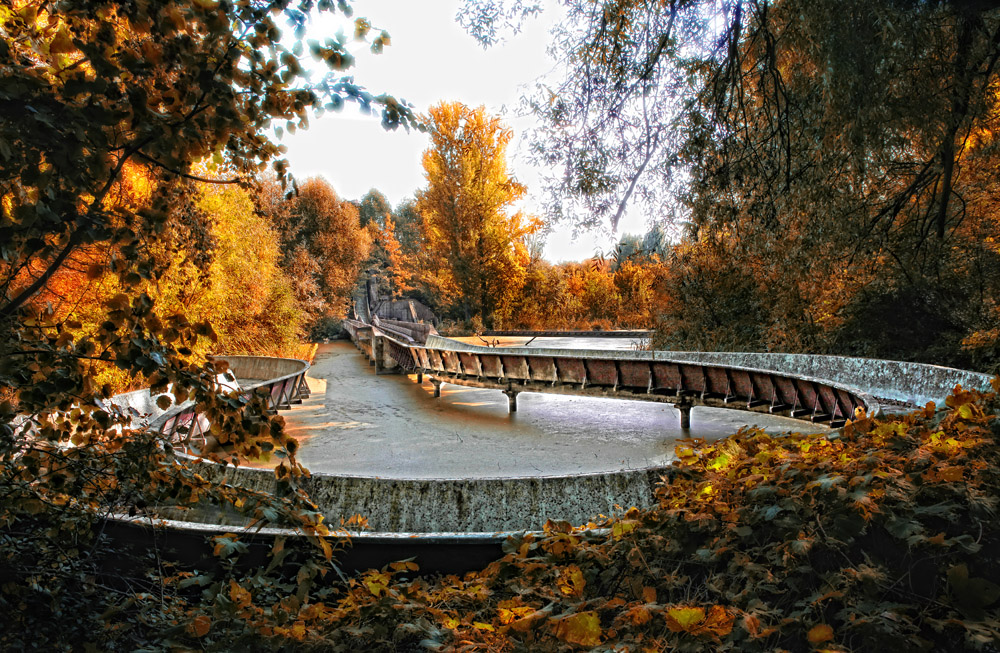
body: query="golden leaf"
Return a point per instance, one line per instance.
(571, 581)
(509, 615)
(201, 624)
(240, 596)
(684, 619)
(583, 629)
(819, 634)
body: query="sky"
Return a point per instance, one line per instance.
(431, 59)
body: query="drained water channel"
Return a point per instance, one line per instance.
(357, 423)
(384, 447)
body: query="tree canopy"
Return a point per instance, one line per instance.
(472, 243)
(129, 133)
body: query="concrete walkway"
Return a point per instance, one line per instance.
(357, 423)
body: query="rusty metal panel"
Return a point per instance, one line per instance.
(470, 363)
(542, 368)
(786, 391)
(763, 388)
(490, 365)
(741, 385)
(692, 378)
(666, 376)
(451, 362)
(515, 367)
(601, 372)
(571, 370)
(437, 363)
(634, 374)
(716, 381)
(425, 359)
(828, 402)
(807, 393)
(847, 403)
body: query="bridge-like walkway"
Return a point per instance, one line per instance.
(644, 375)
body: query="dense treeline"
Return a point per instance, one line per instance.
(841, 198)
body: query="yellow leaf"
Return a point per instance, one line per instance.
(571, 582)
(684, 619)
(819, 634)
(479, 625)
(201, 624)
(451, 623)
(583, 629)
(239, 595)
(62, 43)
(621, 528)
(508, 615)
(376, 583)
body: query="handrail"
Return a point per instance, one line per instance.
(652, 376)
(186, 426)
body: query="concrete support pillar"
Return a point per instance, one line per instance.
(685, 415)
(437, 387)
(511, 399)
(377, 345)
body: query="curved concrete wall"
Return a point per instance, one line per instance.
(913, 383)
(263, 368)
(468, 505)
(644, 375)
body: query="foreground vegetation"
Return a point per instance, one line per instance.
(138, 235)
(881, 537)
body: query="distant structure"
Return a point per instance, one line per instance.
(403, 310)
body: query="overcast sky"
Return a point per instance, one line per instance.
(431, 59)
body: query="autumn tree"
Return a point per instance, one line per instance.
(474, 246)
(328, 228)
(837, 148)
(88, 91)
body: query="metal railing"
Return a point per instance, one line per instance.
(189, 429)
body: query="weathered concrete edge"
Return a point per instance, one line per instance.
(415, 504)
(915, 383)
(422, 479)
(619, 333)
(189, 544)
(358, 536)
(438, 342)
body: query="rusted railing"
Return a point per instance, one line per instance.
(650, 376)
(189, 429)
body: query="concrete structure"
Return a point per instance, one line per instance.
(644, 375)
(442, 514)
(282, 380)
